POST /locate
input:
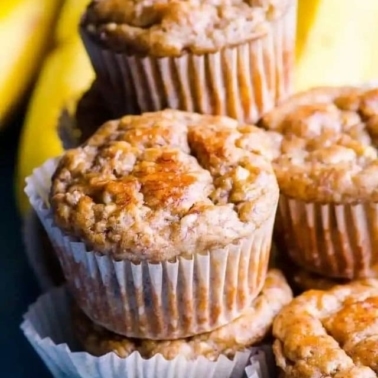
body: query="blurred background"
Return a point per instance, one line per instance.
(43, 67)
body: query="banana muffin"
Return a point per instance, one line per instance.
(168, 218)
(330, 333)
(248, 329)
(327, 170)
(230, 58)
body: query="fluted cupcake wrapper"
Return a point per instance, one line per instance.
(339, 241)
(261, 363)
(165, 300)
(47, 326)
(242, 82)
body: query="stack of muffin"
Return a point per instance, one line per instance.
(327, 170)
(163, 225)
(162, 220)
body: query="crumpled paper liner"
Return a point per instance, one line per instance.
(168, 300)
(336, 241)
(242, 82)
(261, 363)
(47, 326)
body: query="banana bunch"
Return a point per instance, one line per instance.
(24, 25)
(336, 44)
(65, 74)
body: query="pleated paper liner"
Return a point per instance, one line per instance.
(167, 300)
(261, 363)
(242, 82)
(47, 326)
(336, 241)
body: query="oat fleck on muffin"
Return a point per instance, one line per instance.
(250, 328)
(329, 333)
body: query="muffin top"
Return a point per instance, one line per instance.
(330, 333)
(173, 27)
(251, 327)
(165, 184)
(327, 149)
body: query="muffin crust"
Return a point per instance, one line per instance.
(251, 327)
(165, 184)
(330, 333)
(327, 151)
(170, 28)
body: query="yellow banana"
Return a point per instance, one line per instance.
(24, 35)
(65, 75)
(337, 42)
(69, 18)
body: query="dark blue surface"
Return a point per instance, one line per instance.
(18, 287)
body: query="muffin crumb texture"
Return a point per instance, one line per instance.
(327, 148)
(169, 28)
(165, 184)
(330, 333)
(251, 327)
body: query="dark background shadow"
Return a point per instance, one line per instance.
(18, 288)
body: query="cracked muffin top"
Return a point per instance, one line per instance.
(165, 184)
(173, 27)
(327, 149)
(251, 327)
(330, 333)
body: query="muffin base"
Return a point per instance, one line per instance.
(336, 241)
(167, 300)
(47, 326)
(242, 82)
(250, 328)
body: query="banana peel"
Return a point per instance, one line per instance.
(66, 74)
(24, 36)
(68, 23)
(337, 42)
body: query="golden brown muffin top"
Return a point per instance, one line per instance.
(173, 27)
(165, 184)
(328, 150)
(330, 333)
(251, 327)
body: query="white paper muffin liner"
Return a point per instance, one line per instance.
(242, 82)
(336, 241)
(261, 363)
(47, 326)
(168, 300)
